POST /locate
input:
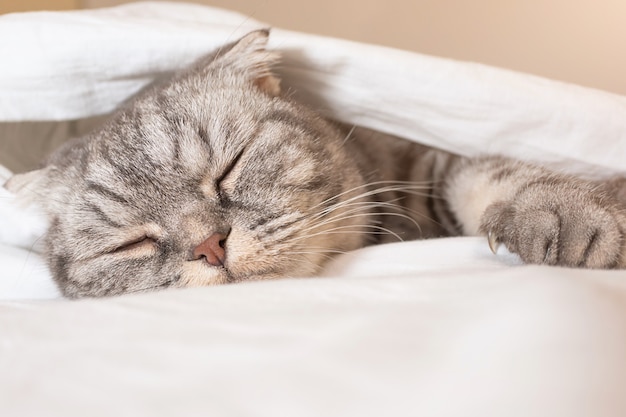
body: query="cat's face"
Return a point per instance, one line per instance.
(208, 179)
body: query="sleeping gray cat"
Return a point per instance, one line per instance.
(213, 177)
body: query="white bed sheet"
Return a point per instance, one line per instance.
(500, 341)
(434, 328)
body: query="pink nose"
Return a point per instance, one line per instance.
(212, 250)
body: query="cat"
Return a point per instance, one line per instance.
(215, 177)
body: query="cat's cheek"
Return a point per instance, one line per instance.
(200, 274)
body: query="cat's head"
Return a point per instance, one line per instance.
(209, 178)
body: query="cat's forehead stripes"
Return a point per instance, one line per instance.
(103, 217)
(106, 192)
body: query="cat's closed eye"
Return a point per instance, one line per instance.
(143, 245)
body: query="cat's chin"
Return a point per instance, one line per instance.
(199, 274)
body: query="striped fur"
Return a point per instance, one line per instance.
(217, 150)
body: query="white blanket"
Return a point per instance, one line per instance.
(434, 328)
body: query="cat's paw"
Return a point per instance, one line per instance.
(568, 223)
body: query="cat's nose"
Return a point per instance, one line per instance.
(212, 250)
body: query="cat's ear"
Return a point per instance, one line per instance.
(250, 55)
(28, 185)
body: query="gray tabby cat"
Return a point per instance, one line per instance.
(212, 177)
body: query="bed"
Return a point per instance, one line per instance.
(430, 328)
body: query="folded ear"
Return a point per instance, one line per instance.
(250, 56)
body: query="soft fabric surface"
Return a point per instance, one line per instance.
(433, 328)
(481, 344)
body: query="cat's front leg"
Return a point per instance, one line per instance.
(545, 217)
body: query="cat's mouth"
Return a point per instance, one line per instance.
(199, 274)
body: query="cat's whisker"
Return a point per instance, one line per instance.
(348, 135)
(400, 215)
(303, 247)
(369, 194)
(370, 204)
(341, 204)
(299, 257)
(322, 232)
(342, 230)
(355, 214)
(350, 208)
(317, 253)
(413, 184)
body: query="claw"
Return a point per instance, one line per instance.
(493, 242)
(547, 256)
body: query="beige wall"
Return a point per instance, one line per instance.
(580, 41)
(7, 6)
